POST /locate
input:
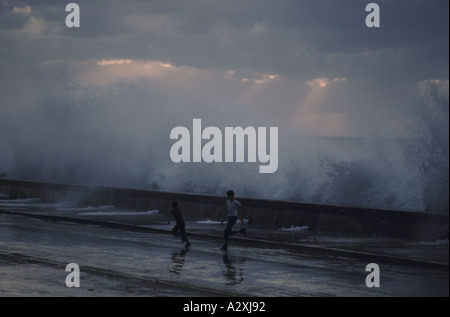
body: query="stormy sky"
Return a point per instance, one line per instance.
(362, 112)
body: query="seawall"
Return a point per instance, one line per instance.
(270, 213)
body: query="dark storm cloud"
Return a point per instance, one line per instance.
(295, 38)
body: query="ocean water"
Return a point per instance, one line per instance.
(404, 166)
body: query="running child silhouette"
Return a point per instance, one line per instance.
(180, 226)
(233, 206)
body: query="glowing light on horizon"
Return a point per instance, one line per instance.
(312, 118)
(323, 82)
(26, 10)
(105, 62)
(167, 65)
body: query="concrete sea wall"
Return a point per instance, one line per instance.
(270, 213)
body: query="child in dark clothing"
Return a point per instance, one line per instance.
(179, 228)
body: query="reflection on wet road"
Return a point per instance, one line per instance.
(178, 260)
(34, 253)
(234, 269)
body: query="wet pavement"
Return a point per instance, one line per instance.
(131, 253)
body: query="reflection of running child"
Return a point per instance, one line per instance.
(233, 206)
(231, 273)
(178, 261)
(179, 228)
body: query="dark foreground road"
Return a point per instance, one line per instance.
(34, 253)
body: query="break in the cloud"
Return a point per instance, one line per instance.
(304, 39)
(361, 111)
